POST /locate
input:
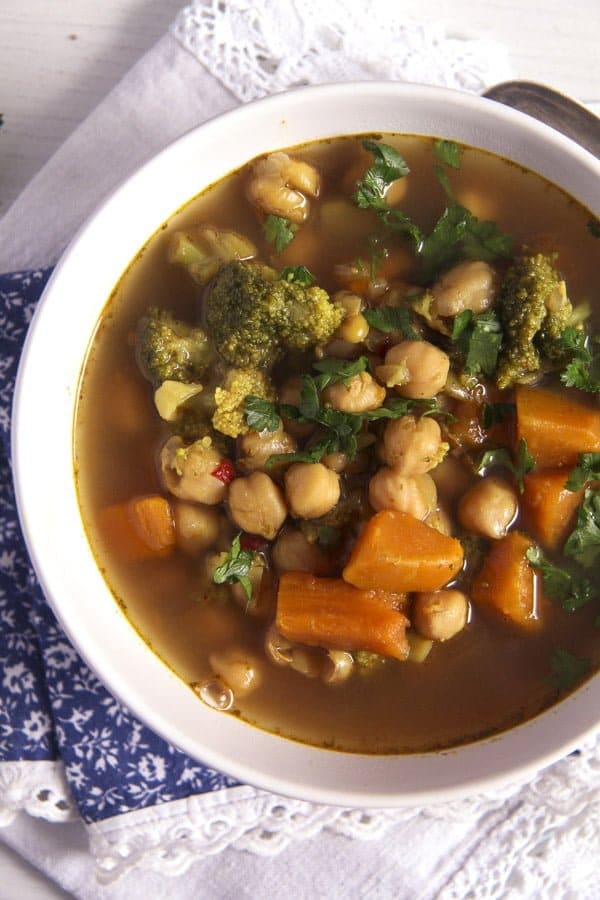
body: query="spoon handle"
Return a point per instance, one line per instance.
(552, 108)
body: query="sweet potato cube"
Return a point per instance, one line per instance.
(507, 583)
(555, 427)
(548, 507)
(397, 552)
(327, 612)
(139, 529)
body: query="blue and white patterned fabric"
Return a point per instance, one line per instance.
(51, 705)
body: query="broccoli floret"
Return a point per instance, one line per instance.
(228, 417)
(168, 349)
(534, 311)
(254, 318)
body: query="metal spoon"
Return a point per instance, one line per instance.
(552, 108)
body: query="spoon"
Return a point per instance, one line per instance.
(551, 107)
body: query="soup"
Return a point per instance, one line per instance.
(337, 444)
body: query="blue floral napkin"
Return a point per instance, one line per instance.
(51, 705)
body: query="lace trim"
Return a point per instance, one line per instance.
(549, 846)
(37, 787)
(170, 837)
(246, 45)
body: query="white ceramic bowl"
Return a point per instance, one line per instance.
(45, 401)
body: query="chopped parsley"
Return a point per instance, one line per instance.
(393, 319)
(328, 536)
(583, 369)
(583, 544)
(568, 669)
(334, 370)
(479, 339)
(460, 234)
(587, 469)
(495, 413)
(297, 275)
(500, 456)
(593, 226)
(279, 231)
(261, 414)
(571, 589)
(388, 166)
(447, 152)
(235, 568)
(340, 428)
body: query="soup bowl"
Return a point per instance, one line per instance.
(45, 403)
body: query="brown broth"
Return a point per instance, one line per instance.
(491, 676)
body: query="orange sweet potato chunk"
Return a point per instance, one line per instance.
(555, 427)
(397, 552)
(548, 507)
(507, 583)
(139, 529)
(327, 612)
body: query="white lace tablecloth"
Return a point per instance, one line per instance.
(537, 840)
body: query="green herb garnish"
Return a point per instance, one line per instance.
(500, 456)
(387, 167)
(334, 370)
(279, 231)
(297, 275)
(460, 234)
(393, 319)
(587, 469)
(328, 536)
(593, 226)
(572, 590)
(494, 413)
(261, 414)
(568, 669)
(479, 339)
(583, 370)
(583, 544)
(235, 568)
(448, 152)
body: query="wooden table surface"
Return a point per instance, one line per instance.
(59, 58)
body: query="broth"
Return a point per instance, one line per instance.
(491, 675)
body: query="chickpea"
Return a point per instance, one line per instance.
(337, 461)
(256, 504)
(311, 489)
(187, 471)
(197, 527)
(293, 552)
(239, 670)
(412, 494)
(469, 285)
(257, 446)
(290, 394)
(360, 394)
(353, 329)
(426, 368)
(413, 446)
(451, 478)
(439, 615)
(280, 186)
(489, 507)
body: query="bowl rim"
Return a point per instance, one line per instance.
(312, 773)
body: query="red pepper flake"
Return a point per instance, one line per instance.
(252, 542)
(224, 472)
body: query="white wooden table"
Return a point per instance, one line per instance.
(59, 58)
